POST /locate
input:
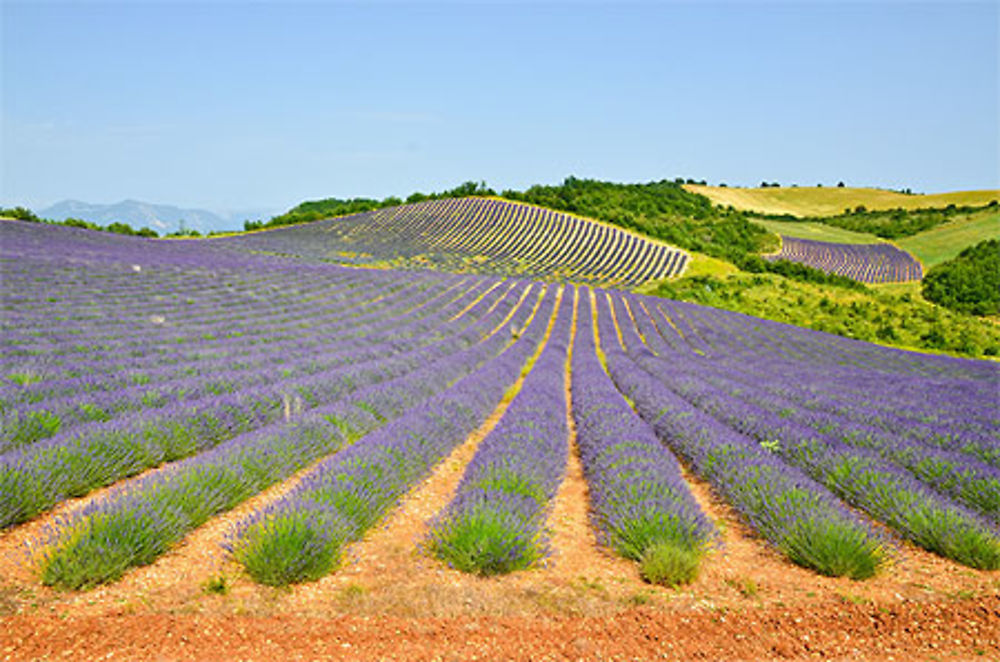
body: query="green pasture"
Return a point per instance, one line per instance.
(944, 242)
(817, 232)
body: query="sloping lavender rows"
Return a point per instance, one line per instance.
(840, 354)
(944, 413)
(312, 388)
(302, 536)
(37, 477)
(868, 263)
(201, 311)
(957, 393)
(245, 355)
(800, 517)
(955, 473)
(823, 404)
(493, 524)
(475, 235)
(881, 488)
(638, 497)
(178, 343)
(273, 299)
(137, 523)
(17, 426)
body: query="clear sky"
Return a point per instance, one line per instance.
(238, 105)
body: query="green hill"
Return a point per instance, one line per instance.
(947, 240)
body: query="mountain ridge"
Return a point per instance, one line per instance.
(163, 218)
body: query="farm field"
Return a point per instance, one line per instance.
(866, 263)
(930, 247)
(478, 235)
(817, 232)
(245, 445)
(833, 200)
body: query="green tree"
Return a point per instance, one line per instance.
(968, 283)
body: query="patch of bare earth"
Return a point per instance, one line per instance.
(390, 601)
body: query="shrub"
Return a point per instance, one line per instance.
(969, 283)
(669, 565)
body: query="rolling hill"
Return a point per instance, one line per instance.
(477, 235)
(807, 201)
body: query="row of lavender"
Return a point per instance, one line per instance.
(787, 424)
(879, 445)
(108, 426)
(66, 403)
(793, 485)
(138, 522)
(868, 263)
(478, 235)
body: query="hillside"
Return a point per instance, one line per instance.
(945, 241)
(732, 243)
(945, 233)
(816, 231)
(805, 201)
(476, 235)
(865, 263)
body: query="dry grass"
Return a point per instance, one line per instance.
(830, 201)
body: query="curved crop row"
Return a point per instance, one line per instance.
(861, 477)
(800, 517)
(867, 263)
(975, 482)
(101, 401)
(478, 235)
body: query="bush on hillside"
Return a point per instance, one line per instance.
(24, 214)
(20, 213)
(968, 283)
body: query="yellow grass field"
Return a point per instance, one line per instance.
(830, 201)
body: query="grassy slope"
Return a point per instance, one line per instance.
(830, 201)
(818, 231)
(893, 316)
(944, 242)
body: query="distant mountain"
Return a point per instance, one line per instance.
(162, 218)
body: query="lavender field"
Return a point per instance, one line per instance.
(186, 377)
(478, 235)
(867, 263)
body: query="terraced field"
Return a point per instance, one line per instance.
(190, 418)
(867, 263)
(478, 235)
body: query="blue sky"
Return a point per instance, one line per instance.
(240, 105)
